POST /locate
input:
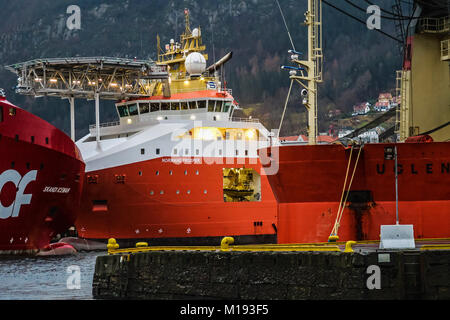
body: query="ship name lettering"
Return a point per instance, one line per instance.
(414, 169)
(56, 190)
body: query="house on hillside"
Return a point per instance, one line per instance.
(384, 103)
(361, 108)
(334, 113)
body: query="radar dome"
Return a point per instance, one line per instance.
(196, 33)
(195, 63)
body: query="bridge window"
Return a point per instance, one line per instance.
(219, 106)
(154, 107)
(184, 105)
(192, 105)
(143, 108)
(226, 106)
(174, 106)
(1, 113)
(201, 104)
(211, 105)
(165, 106)
(133, 109)
(123, 111)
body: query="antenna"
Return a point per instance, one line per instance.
(313, 66)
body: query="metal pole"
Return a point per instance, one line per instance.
(396, 185)
(97, 117)
(72, 118)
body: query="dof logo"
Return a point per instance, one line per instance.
(21, 183)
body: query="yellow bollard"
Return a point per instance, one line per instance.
(225, 243)
(112, 244)
(141, 244)
(348, 246)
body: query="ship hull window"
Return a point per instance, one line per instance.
(1, 113)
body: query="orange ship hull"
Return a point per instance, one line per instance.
(310, 181)
(169, 203)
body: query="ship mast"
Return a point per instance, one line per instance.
(312, 66)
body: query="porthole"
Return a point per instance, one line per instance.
(152, 192)
(170, 172)
(185, 172)
(205, 191)
(196, 172)
(157, 173)
(161, 192)
(178, 191)
(189, 192)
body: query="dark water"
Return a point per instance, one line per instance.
(48, 278)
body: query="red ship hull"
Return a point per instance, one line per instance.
(167, 203)
(310, 180)
(41, 176)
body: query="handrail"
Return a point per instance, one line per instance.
(105, 124)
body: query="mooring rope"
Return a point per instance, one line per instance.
(337, 222)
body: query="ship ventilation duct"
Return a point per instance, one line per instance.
(219, 63)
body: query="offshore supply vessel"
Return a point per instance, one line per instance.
(41, 177)
(347, 191)
(177, 167)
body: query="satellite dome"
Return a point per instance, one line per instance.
(195, 63)
(196, 33)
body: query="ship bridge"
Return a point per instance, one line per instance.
(91, 78)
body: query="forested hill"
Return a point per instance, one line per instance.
(358, 64)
